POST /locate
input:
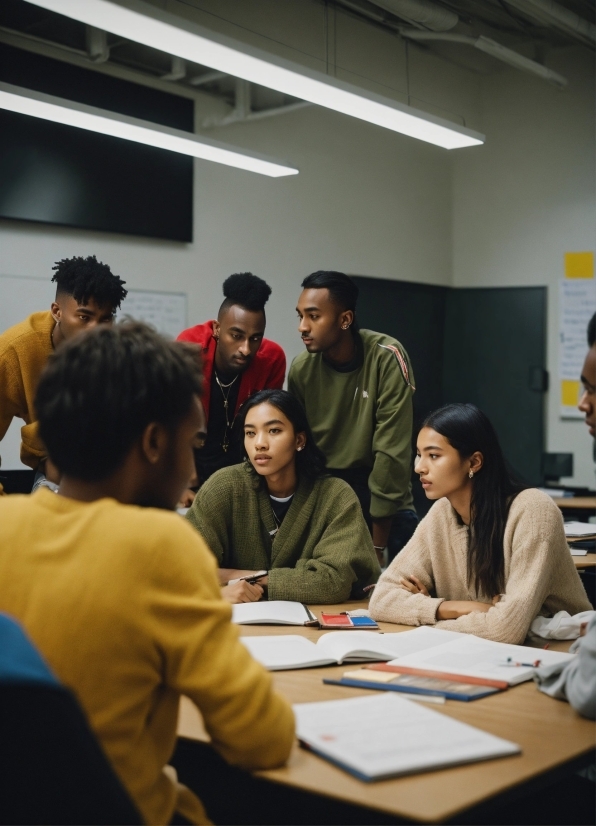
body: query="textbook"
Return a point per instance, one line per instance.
(471, 656)
(287, 652)
(347, 621)
(386, 735)
(415, 684)
(276, 612)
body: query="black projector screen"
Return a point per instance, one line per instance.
(62, 175)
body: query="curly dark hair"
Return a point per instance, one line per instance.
(310, 462)
(86, 278)
(245, 290)
(100, 390)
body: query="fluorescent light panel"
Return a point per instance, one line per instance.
(153, 27)
(48, 107)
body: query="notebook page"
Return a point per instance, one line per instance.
(476, 657)
(276, 612)
(371, 645)
(287, 651)
(388, 735)
(579, 529)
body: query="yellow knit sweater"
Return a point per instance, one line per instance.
(540, 576)
(124, 604)
(24, 351)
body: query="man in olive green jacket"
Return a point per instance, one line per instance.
(356, 387)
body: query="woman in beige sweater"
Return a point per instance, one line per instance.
(489, 557)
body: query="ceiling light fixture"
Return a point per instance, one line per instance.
(144, 23)
(48, 107)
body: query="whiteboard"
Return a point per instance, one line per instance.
(20, 296)
(164, 311)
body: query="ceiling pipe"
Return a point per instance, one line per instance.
(423, 12)
(494, 49)
(552, 14)
(178, 69)
(96, 42)
(242, 111)
(206, 77)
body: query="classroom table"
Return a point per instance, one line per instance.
(587, 561)
(553, 737)
(577, 503)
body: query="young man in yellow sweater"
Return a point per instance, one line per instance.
(87, 294)
(120, 594)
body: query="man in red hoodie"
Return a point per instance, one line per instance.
(237, 361)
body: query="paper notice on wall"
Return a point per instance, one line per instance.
(577, 305)
(166, 312)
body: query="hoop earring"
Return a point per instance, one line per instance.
(471, 474)
(345, 326)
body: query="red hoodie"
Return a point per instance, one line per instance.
(266, 370)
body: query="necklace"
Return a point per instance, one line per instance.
(226, 439)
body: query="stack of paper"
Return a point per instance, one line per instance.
(383, 736)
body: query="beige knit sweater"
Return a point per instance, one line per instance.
(540, 576)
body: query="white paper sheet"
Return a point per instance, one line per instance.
(387, 735)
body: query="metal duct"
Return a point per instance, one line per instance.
(494, 49)
(423, 12)
(551, 13)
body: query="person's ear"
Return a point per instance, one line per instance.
(56, 312)
(216, 329)
(346, 319)
(476, 462)
(154, 442)
(300, 441)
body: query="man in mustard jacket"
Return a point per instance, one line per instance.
(120, 594)
(87, 294)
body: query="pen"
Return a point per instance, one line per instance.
(511, 662)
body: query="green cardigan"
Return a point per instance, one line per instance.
(322, 553)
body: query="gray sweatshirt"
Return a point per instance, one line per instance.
(576, 680)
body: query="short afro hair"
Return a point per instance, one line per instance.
(342, 290)
(85, 278)
(245, 290)
(592, 331)
(100, 390)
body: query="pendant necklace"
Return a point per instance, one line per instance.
(223, 387)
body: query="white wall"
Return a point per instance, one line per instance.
(368, 201)
(527, 197)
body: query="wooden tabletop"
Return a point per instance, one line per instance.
(587, 561)
(549, 731)
(577, 502)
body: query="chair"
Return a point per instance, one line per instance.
(52, 768)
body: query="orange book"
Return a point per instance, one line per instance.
(439, 675)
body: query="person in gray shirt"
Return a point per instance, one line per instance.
(576, 681)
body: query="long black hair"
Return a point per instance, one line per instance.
(468, 430)
(310, 461)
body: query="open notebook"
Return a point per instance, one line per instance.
(385, 735)
(470, 656)
(292, 651)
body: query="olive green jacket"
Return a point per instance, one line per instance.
(322, 553)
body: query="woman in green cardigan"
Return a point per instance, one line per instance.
(279, 512)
